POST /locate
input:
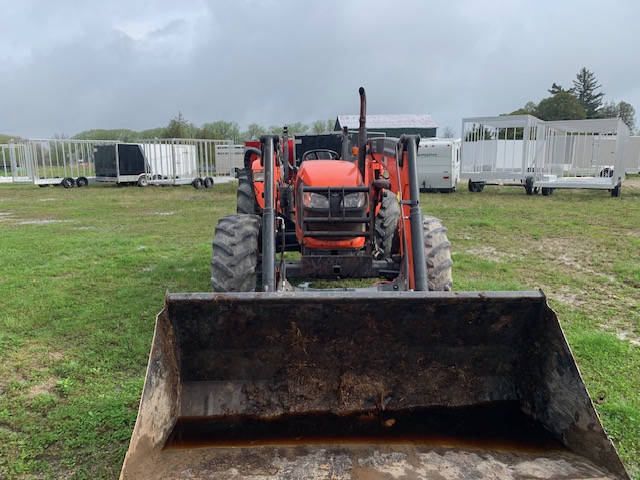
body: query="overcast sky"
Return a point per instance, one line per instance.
(68, 66)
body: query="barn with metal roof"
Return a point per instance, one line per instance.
(391, 125)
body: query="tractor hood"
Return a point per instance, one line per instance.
(329, 173)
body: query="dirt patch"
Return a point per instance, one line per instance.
(631, 182)
(46, 386)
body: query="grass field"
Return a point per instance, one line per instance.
(83, 273)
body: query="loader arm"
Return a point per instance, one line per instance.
(399, 159)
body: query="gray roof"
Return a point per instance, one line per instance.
(388, 121)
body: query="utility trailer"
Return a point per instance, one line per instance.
(12, 166)
(583, 154)
(438, 164)
(500, 150)
(521, 150)
(46, 162)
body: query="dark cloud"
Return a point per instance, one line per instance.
(69, 66)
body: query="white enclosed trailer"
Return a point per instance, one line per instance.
(500, 150)
(438, 164)
(170, 161)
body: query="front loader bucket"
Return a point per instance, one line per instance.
(359, 385)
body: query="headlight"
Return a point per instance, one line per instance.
(314, 200)
(354, 200)
(258, 176)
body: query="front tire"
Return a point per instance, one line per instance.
(386, 226)
(245, 196)
(234, 261)
(437, 249)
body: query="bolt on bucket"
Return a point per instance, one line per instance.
(365, 385)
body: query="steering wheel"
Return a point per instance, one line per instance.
(320, 154)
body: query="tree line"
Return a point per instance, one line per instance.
(584, 100)
(179, 127)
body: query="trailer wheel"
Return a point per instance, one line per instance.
(143, 180)
(198, 183)
(82, 182)
(385, 239)
(437, 249)
(234, 261)
(67, 182)
(476, 187)
(208, 182)
(615, 192)
(547, 191)
(528, 185)
(246, 202)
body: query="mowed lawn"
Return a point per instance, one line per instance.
(83, 273)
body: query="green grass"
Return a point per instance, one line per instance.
(83, 273)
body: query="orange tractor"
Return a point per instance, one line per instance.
(405, 379)
(347, 218)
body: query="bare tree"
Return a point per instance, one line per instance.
(448, 132)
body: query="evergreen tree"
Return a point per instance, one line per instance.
(585, 89)
(556, 89)
(178, 128)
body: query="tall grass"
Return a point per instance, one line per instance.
(84, 271)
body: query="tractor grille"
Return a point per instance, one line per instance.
(335, 220)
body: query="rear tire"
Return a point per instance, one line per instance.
(437, 249)
(198, 183)
(245, 196)
(82, 182)
(208, 182)
(386, 226)
(234, 261)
